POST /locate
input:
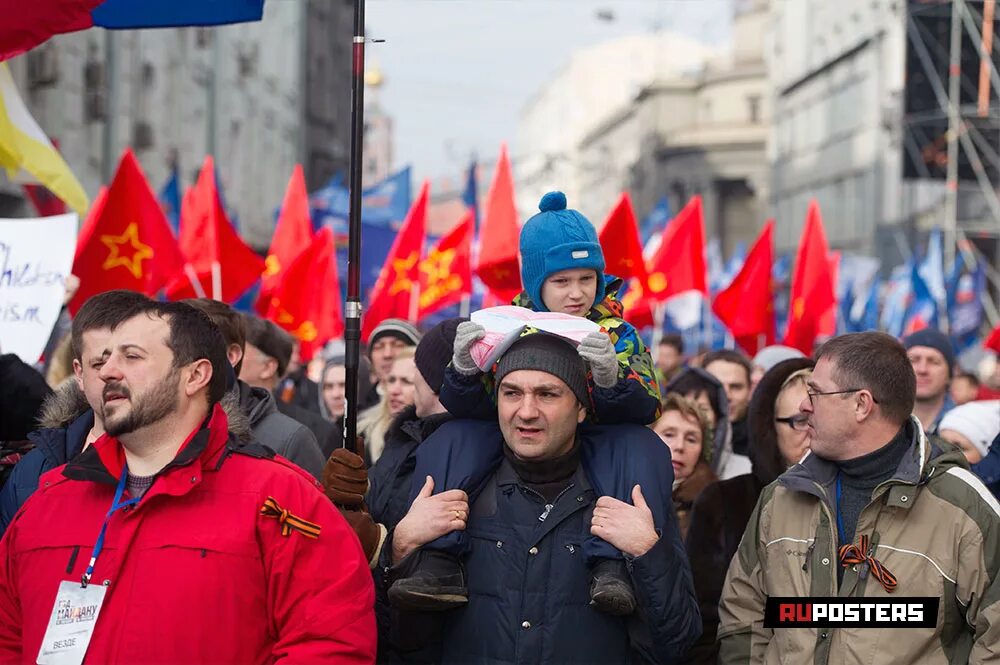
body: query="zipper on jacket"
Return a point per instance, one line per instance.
(545, 513)
(549, 506)
(809, 553)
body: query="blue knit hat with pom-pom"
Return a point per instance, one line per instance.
(558, 239)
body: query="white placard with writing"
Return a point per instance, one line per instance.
(36, 256)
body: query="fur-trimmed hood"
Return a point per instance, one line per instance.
(68, 403)
(63, 406)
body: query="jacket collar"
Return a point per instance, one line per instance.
(103, 462)
(813, 473)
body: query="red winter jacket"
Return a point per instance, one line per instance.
(195, 572)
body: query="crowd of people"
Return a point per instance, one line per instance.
(181, 489)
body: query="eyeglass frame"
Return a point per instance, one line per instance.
(817, 393)
(790, 421)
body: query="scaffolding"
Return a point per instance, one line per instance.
(956, 136)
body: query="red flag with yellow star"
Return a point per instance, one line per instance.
(679, 264)
(306, 301)
(126, 242)
(499, 234)
(223, 263)
(746, 305)
(391, 297)
(446, 273)
(292, 235)
(812, 285)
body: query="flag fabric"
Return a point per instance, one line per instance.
(679, 264)
(856, 279)
(28, 24)
(745, 306)
(306, 299)
(656, 220)
(170, 199)
(26, 153)
(619, 238)
(897, 299)
(922, 309)
(400, 276)
(292, 235)
(966, 289)
(225, 267)
(932, 268)
(45, 202)
(127, 242)
(828, 322)
(446, 272)
(812, 293)
(498, 265)
(385, 203)
(470, 196)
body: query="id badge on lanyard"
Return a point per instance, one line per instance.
(78, 604)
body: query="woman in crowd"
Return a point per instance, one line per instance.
(332, 394)
(778, 440)
(374, 422)
(683, 426)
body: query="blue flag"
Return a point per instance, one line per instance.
(965, 304)
(170, 199)
(897, 297)
(384, 203)
(922, 310)
(656, 220)
(469, 196)
(130, 14)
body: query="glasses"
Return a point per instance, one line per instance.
(798, 422)
(817, 393)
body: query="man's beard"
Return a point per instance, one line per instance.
(147, 409)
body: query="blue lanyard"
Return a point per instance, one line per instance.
(115, 505)
(840, 521)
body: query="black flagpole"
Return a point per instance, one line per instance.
(352, 332)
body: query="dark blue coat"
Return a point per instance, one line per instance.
(53, 447)
(529, 583)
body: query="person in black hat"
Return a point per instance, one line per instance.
(388, 338)
(933, 359)
(526, 598)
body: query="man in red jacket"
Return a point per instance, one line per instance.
(170, 540)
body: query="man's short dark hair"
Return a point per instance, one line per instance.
(193, 337)
(674, 340)
(876, 362)
(729, 356)
(104, 310)
(229, 322)
(271, 340)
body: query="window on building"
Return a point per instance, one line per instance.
(753, 108)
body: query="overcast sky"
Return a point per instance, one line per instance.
(458, 72)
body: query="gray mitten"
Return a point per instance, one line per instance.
(597, 349)
(466, 334)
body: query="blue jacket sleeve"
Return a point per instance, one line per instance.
(988, 468)
(667, 621)
(21, 484)
(467, 396)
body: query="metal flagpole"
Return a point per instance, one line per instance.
(352, 321)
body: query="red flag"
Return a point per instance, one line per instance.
(620, 242)
(392, 294)
(292, 235)
(746, 305)
(306, 300)
(126, 242)
(223, 263)
(498, 236)
(828, 324)
(638, 309)
(446, 273)
(679, 263)
(812, 285)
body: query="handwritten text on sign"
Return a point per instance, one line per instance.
(36, 256)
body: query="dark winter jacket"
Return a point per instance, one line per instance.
(285, 436)
(634, 399)
(22, 391)
(322, 429)
(66, 421)
(529, 585)
(390, 478)
(389, 492)
(688, 491)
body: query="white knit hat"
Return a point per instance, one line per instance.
(979, 422)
